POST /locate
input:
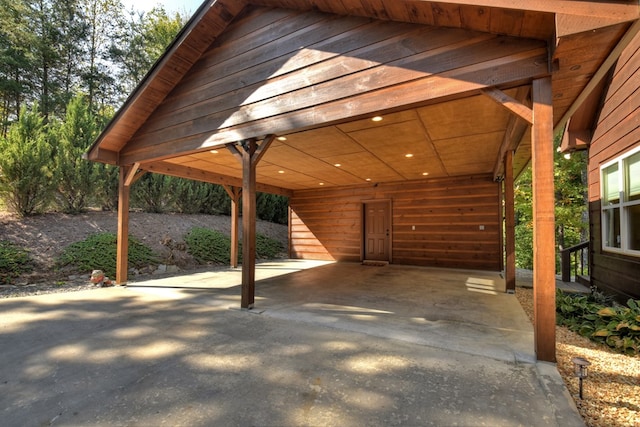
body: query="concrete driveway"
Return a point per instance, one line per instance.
(336, 344)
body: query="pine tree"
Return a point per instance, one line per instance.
(75, 177)
(25, 164)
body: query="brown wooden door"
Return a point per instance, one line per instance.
(376, 226)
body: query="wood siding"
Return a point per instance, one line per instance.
(617, 132)
(274, 71)
(447, 214)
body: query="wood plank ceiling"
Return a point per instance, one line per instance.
(317, 80)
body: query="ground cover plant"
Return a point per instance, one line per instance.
(600, 320)
(210, 246)
(13, 262)
(98, 252)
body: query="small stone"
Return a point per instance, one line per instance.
(162, 268)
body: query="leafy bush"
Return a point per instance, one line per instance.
(266, 247)
(616, 326)
(98, 252)
(208, 245)
(13, 261)
(212, 246)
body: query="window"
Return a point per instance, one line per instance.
(621, 204)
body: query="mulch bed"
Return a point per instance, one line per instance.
(611, 392)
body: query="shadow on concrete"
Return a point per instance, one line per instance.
(179, 356)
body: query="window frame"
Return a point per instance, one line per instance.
(623, 204)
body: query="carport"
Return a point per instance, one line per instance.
(395, 127)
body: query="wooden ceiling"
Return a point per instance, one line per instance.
(459, 137)
(430, 127)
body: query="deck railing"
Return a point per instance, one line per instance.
(580, 255)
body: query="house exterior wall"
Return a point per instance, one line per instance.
(617, 132)
(457, 222)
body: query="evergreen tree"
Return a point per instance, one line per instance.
(25, 164)
(571, 218)
(16, 61)
(75, 177)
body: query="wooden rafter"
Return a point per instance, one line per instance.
(511, 104)
(180, 171)
(516, 129)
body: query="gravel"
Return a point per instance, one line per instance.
(611, 392)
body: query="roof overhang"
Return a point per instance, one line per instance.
(571, 40)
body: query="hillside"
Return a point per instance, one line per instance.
(45, 236)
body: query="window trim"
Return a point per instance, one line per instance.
(622, 205)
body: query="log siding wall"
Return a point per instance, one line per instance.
(447, 215)
(617, 132)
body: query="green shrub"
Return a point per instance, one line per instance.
(98, 252)
(615, 326)
(266, 247)
(210, 246)
(13, 261)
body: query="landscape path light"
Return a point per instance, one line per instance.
(580, 370)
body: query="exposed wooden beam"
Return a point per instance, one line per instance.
(102, 155)
(180, 171)
(122, 242)
(511, 104)
(133, 174)
(622, 11)
(463, 81)
(262, 148)
(544, 262)
(516, 129)
(599, 75)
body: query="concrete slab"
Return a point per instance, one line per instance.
(322, 352)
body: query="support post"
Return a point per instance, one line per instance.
(248, 225)
(544, 281)
(510, 222)
(234, 193)
(122, 245)
(249, 154)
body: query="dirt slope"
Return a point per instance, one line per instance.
(47, 235)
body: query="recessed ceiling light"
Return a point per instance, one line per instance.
(282, 138)
(408, 155)
(337, 165)
(214, 151)
(376, 119)
(322, 183)
(280, 171)
(368, 179)
(425, 173)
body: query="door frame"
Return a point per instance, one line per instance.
(363, 228)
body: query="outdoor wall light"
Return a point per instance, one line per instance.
(580, 369)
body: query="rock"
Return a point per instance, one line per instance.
(173, 269)
(162, 268)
